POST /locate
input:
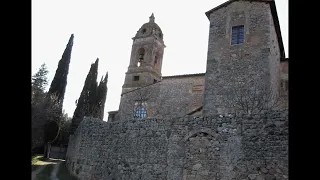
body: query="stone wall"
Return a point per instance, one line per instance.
(172, 97)
(284, 83)
(119, 150)
(275, 67)
(189, 148)
(229, 66)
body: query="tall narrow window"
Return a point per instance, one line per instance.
(141, 52)
(237, 35)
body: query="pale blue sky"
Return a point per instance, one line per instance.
(104, 29)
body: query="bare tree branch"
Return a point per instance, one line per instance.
(252, 98)
(45, 112)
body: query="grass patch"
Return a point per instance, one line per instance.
(63, 173)
(36, 162)
(45, 173)
(36, 159)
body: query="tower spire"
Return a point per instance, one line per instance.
(151, 18)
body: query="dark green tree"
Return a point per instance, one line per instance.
(101, 96)
(86, 97)
(55, 95)
(38, 84)
(39, 81)
(92, 98)
(59, 82)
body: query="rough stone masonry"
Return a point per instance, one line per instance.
(167, 144)
(190, 148)
(257, 59)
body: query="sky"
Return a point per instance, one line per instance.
(103, 29)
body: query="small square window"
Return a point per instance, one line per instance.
(237, 35)
(136, 78)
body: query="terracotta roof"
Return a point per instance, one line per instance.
(183, 75)
(274, 16)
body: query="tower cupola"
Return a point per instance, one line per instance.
(149, 29)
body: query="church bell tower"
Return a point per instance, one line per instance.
(146, 57)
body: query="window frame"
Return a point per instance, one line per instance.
(238, 39)
(139, 111)
(136, 78)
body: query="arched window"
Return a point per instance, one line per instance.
(140, 113)
(141, 53)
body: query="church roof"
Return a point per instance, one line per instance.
(183, 75)
(274, 16)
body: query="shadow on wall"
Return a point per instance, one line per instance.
(210, 147)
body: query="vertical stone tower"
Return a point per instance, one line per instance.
(146, 57)
(245, 47)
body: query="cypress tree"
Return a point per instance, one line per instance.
(57, 89)
(86, 97)
(59, 82)
(92, 99)
(101, 97)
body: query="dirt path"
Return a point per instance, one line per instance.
(54, 172)
(37, 171)
(43, 164)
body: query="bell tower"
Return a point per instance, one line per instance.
(146, 57)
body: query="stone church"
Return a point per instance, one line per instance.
(244, 43)
(182, 127)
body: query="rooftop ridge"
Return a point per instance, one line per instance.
(184, 75)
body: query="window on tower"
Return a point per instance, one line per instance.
(237, 35)
(141, 53)
(135, 78)
(140, 57)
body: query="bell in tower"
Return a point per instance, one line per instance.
(146, 57)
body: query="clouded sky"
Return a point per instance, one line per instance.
(103, 29)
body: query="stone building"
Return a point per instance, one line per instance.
(245, 47)
(176, 127)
